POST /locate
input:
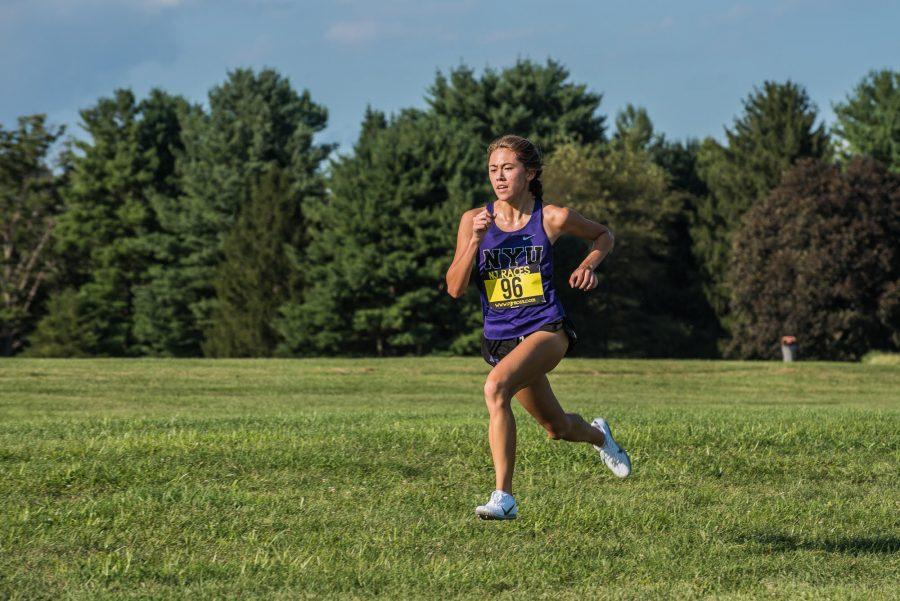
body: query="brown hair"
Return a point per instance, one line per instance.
(527, 154)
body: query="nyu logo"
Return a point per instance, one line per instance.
(499, 258)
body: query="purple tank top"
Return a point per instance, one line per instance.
(515, 278)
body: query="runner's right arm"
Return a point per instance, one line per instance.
(472, 228)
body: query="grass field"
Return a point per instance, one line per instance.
(355, 478)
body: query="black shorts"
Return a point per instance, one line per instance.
(494, 350)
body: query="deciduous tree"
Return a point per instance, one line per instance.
(819, 258)
(639, 308)
(29, 209)
(777, 128)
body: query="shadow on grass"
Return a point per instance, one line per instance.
(887, 545)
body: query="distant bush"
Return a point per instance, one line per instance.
(62, 331)
(881, 358)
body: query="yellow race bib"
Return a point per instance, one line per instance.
(514, 287)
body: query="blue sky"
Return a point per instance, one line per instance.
(690, 63)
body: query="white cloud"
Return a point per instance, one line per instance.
(665, 23)
(354, 32)
(659, 26)
(408, 8)
(258, 50)
(508, 35)
(14, 7)
(157, 5)
(738, 11)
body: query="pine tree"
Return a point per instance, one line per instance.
(63, 332)
(869, 120)
(777, 129)
(380, 245)
(110, 232)
(679, 159)
(528, 99)
(634, 130)
(255, 121)
(257, 274)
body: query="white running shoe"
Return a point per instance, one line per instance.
(502, 506)
(614, 456)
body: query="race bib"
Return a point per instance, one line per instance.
(514, 287)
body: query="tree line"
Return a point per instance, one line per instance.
(175, 229)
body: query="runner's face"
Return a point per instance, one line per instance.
(509, 177)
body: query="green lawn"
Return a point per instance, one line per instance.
(283, 479)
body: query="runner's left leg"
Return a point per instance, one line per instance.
(538, 399)
(539, 353)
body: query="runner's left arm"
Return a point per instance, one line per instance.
(561, 220)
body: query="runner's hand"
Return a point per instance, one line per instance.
(481, 223)
(583, 279)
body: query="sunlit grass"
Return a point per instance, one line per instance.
(356, 478)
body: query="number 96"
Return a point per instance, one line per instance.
(512, 288)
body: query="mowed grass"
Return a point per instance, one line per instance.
(287, 479)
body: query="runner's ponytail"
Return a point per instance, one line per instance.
(536, 187)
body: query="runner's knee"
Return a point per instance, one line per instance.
(496, 391)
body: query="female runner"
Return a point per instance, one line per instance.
(525, 331)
